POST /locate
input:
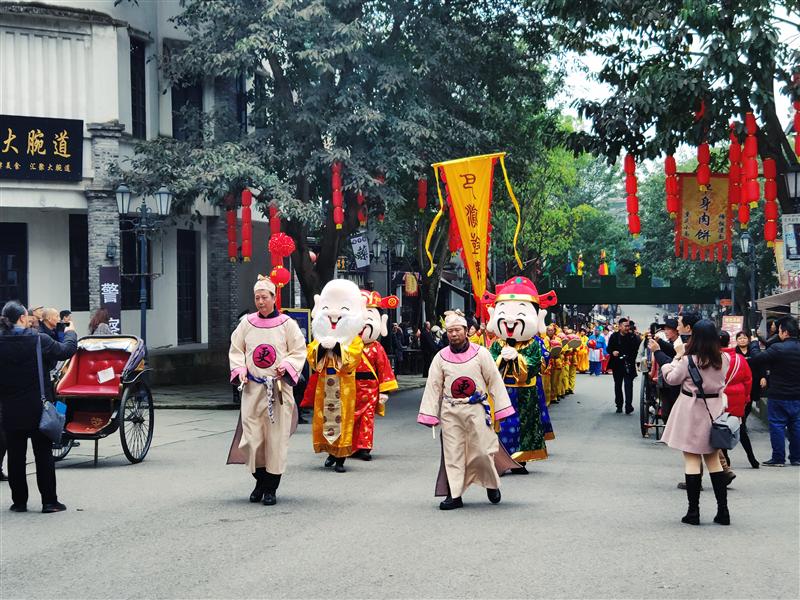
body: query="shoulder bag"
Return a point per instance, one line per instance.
(51, 423)
(725, 428)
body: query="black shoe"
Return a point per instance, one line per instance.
(339, 468)
(754, 463)
(19, 507)
(794, 463)
(330, 461)
(523, 470)
(451, 503)
(693, 482)
(720, 482)
(628, 410)
(772, 463)
(493, 495)
(366, 455)
(3, 476)
(53, 507)
(729, 477)
(258, 493)
(619, 410)
(269, 498)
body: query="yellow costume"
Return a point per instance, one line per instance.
(583, 355)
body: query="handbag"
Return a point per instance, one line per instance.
(725, 428)
(51, 423)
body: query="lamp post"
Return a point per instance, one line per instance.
(792, 177)
(749, 252)
(733, 271)
(143, 223)
(399, 252)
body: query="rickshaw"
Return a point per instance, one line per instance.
(105, 390)
(650, 410)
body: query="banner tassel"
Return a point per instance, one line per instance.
(434, 223)
(516, 207)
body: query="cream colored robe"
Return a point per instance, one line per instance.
(469, 445)
(259, 346)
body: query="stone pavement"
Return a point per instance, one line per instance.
(599, 519)
(219, 395)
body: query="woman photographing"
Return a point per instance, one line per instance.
(689, 425)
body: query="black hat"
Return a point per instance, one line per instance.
(671, 324)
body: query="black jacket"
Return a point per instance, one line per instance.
(427, 343)
(666, 352)
(19, 378)
(783, 361)
(759, 372)
(627, 345)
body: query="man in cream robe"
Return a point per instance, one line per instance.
(460, 377)
(266, 357)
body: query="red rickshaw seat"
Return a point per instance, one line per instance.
(81, 376)
(87, 422)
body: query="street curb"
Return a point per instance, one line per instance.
(231, 406)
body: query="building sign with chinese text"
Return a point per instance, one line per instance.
(41, 149)
(360, 245)
(703, 228)
(110, 297)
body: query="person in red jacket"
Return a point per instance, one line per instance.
(739, 381)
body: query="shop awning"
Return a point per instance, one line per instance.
(782, 300)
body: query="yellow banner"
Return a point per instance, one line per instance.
(703, 226)
(469, 183)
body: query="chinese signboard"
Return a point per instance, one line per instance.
(40, 148)
(703, 225)
(303, 318)
(110, 297)
(733, 325)
(360, 245)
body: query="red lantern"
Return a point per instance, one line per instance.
(634, 225)
(631, 186)
(703, 175)
(752, 192)
(274, 221)
(337, 197)
(744, 215)
(703, 153)
(750, 169)
(672, 206)
(770, 170)
(750, 124)
(672, 186)
(280, 276)
(770, 232)
(362, 209)
(247, 226)
(232, 246)
(422, 194)
(280, 246)
(771, 210)
(750, 147)
(670, 167)
(632, 203)
(338, 216)
(630, 164)
(771, 206)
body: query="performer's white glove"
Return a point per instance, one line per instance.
(382, 398)
(327, 342)
(508, 353)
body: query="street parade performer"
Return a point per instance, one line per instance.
(339, 315)
(374, 376)
(460, 377)
(517, 319)
(266, 356)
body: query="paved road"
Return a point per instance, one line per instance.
(599, 519)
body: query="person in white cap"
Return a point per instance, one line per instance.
(266, 357)
(460, 378)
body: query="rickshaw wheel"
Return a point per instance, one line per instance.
(136, 421)
(60, 452)
(643, 412)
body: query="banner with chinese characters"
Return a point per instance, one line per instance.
(360, 245)
(111, 298)
(468, 183)
(704, 220)
(41, 149)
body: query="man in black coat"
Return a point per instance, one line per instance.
(623, 346)
(783, 396)
(20, 396)
(664, 351)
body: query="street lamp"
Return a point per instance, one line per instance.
(792, 176)
(749, 251)
(733, 271)
(143, 223)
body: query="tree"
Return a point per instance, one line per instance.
(383, 87)
(680, 71)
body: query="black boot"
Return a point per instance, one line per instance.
(258, 491)
(493, 495)
(330, 461)
(720, 483)
(693, 495)
(450, 503)
(744, 438)
(339, 468)
(523, 470)
(271, 483)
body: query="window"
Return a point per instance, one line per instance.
(13, 262)
(79, 262)
(138, 91)
(129, 265)
(241, 103)
(187, 109)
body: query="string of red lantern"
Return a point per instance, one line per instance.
(771, 206)
(337, 196)
(632, 200)
(744, 206)
(230, 216)
(673, 197)
(362, 209)
(247, 226)
(422, 194)
(703, 166)
(734, 169)
(751, 188)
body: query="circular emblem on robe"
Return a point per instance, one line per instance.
(463, 387)
(264, 356)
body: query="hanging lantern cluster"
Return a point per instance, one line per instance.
(734, 169)
(673, 199)
(247, 225)
(362, 209)
(751, 189)
(422, 194)
(771, 205)
(230, 216)
(337, 196)
(703, 166)
(632, 200)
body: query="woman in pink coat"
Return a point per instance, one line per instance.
(689, 425)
